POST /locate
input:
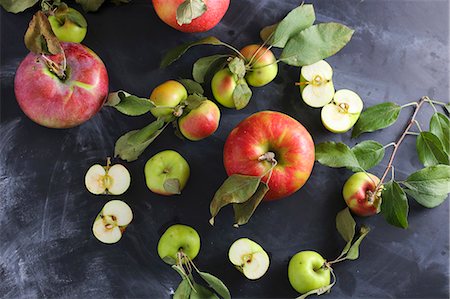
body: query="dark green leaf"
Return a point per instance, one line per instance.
(237, 67)
(353, 252)
(336, 155)
(176, 52)
(237, 188)
(376, 117)
(183, 291)
(204, 65)
(192, 86)
(129, 104)
(243, 211)
(316, 43)
(40, 38)
(241, 95)
(194, 101)
(394, 205)
(189, 10)
(169, 260)
(345, 225)
(440, 126)
(216, 284)
(368, 153)
(172, 186)
(202, 293)
(430, 149)
(429, 186)
(90, 5)
(297, 20)
(16, 6)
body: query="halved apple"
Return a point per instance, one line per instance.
(342, 114)
(107, 179)
(316, 85)
(111, 222)
(249, 258)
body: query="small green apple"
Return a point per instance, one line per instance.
(178, 238)
(249, 258)
(343, 112)
(307, 271)
(361, 195)
(263, 68)
(107, 179)
(223, 85)
(200, 122)
(68, 24)
(316, 85)
(166, 97)
(166, 173)
(112, 221)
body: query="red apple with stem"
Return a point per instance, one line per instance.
(66, 99)
(247, 146)
(362, 194)
(200, 122)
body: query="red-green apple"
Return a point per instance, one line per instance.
(263, 66)
(112, 221)
(316, 85)
(269, 131)
(166, 97)
(249, 258)
(343, 112)
(64, 27)
(361, 194)
(307, 271)
(212, 12)
(200, 122)
(62, 103)
(166, 173)
(178, 238)
(107, 179)
(223, 85)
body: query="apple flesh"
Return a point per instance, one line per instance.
(249, 258)
(112, 221)
(342, 114)
(164, 167)
(307, 271)
(108, 179)
(55, 103)
(179, 238)
(201, 122)
(316, 85)
(166, 97)
(360, 194)
(167, 11)
(263, 66)
(223, 85)
(269, 131)
(66, 30)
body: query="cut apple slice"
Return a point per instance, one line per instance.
(119, 179)
(94, 179)
(119, 211)
(249, 258)
(112, 221)
(107, 179)
(104, 233)
(316, 84)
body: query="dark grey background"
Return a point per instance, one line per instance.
(398, 53)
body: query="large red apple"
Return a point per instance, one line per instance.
(270, 131)
(215, 10)
(62, 103)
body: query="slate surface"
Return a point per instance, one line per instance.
(398, 53)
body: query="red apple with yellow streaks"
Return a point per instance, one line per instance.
(62, 103)
(200, 122)
(361, 194)
(276, 132)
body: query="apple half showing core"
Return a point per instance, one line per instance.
(62, 103)
(249, 258)
(112, 221)
(269, 131)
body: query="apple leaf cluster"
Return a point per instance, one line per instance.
(16, 6)
(429, 186)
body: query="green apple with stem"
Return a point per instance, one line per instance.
(166, 97)
(343, 112)
(308, 271)
(110, 179)
(112, 221)
(316, 85)
(262, 65)
(249, 258)
(178, 241)
(166, 173)
(68, 24)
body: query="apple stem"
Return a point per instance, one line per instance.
(108, 163)
(270, 157)
(234, 49)
(322, 290)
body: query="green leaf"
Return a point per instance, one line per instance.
(129, 104)
(336, 155)
(63, 13)
(176, 52)
(90, 5)
(296, 20)
(447, 108)
(237, 188)
(202, 293)
(169, 260)
(243, 211)
(316, 43)
(345, 225)
(237, 67)
(39, 37)
(172, 186)
(204, 65)
(189, 10)
(192, 86)
(353, 252)
(16, 6)
(193, 101)
(429, 186)
(267, 31)
(216, 284)
(241, 95)
(369, 154)
(430, 149)
(376, 117)
(440, 126)
(183, 291)
(394, 205)
(180, 271)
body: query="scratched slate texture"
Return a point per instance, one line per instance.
(398, 53)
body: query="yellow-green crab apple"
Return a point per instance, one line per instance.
(263, 65)
(166, 97)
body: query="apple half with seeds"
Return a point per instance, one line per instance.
(249, 258)
(107, 179)
(112, 221)
(316, 85)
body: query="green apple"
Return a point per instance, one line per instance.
(166, 173)
(112, 221)
(68, 24)
(200, 122)
(166, 97)
(316, 85)
(361, 194)
(307, 271)
(263, 66)
(249, 258)
(341, 114)
(179, 238)
(223, 85)
(107, 179)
